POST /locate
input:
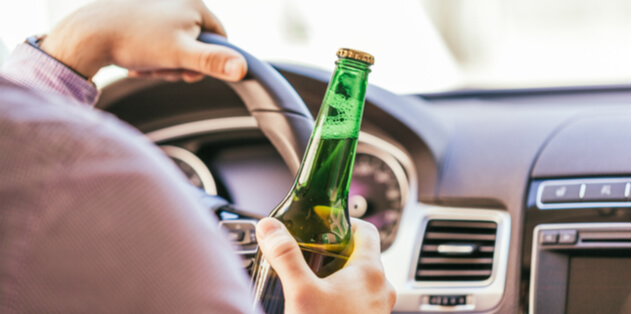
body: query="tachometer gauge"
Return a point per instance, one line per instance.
(194, 168)
(378, 191)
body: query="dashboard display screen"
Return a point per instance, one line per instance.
(598, 285)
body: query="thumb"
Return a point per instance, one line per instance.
(213, 60)
(282, 252)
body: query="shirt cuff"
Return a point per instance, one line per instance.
(33, 68)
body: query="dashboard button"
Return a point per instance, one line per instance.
(435, 300)
(236, 235)
(461, 300)
(548, 237)
(240, 231)
(561, 193)
(606, 192)
(447, 300)
(568, 237)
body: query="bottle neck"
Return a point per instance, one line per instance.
(343, 104)
(331, 150)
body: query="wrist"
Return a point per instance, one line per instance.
(35, 42)
(80, 60)
(78, 47)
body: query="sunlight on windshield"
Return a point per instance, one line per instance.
(310, 32)
(419, 45)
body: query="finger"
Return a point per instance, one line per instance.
(167, 74)
(177, 74)
(367, 241)
(190, 76)
(138, 74)
(282, 252)
(170, 75)
(214, 60)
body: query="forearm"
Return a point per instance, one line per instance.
(160, 42)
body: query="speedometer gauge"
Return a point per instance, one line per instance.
(377, 194)
(378, 191)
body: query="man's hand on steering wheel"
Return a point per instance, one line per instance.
(151, 38)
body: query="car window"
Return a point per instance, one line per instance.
(419, 45)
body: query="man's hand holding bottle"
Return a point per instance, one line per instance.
(359, 287)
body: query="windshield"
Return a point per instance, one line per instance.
(420, 46)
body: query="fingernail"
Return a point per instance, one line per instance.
(232, 67)
(268, 226)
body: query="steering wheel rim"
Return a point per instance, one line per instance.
(280, 112)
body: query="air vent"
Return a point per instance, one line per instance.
(457, 250)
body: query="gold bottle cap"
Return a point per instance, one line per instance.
(356, 55)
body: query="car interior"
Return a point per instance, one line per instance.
(494, 156)
(499, 201)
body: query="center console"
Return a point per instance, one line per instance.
(580, 268)
(576, 257)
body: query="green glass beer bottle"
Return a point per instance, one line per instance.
(315, 210)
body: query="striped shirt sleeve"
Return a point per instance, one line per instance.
(34, 69)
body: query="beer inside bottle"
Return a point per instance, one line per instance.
(315, 210)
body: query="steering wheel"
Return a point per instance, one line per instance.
(283, 118)
(279, 111)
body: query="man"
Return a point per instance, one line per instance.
(91, 219)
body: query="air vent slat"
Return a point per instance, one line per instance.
(482, 248)
(448, 260)
(453, 273)
(457, 250)
(486, 249)
(463, 224)
(460, 236)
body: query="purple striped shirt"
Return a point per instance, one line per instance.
(28, 66)
(93, 217)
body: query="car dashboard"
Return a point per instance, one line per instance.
(486, 201)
